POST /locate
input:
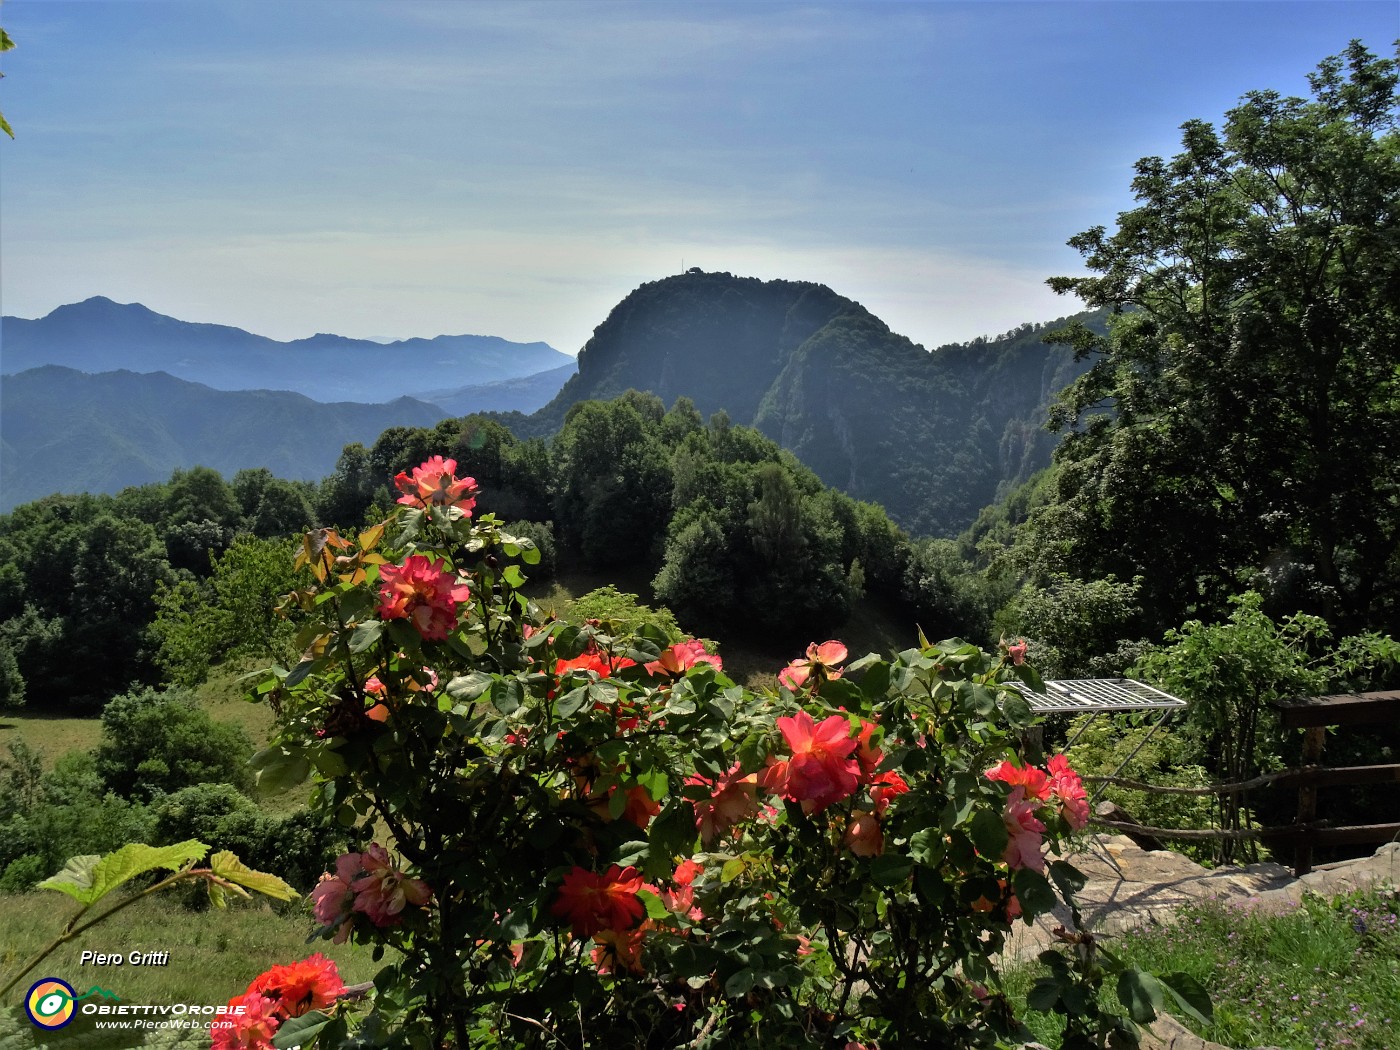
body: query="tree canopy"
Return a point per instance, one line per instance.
(1240, 423)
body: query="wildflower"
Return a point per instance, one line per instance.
(334, 897)
(639, 807)
(863, 836)
(1024, 831)
(423, 592)
(282, 992)
(821, 660)
(253, 1029)
(384, 892)
(735, 798)
(435, 484)
(619, 949)
(311, 984)
(821, 770)
(1069, 789)
(867, 754)
(678, 658)
(592, 903)
(1034, 781)
(681, 900)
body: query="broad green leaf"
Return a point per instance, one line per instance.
(297, 1031)
(673, 830)
(507, 695)
(75, 879)
(468, 687)
(365, 635)
(1034, 892)
(1141, 993)
(301, 670)
(88, 879)
(1029, 675)
(572, 702)
(226, 865)
(280, 768)
(1044, 994)
(656, 783)
(927, 846)
(1067, 877)
(1189, 995)
(740, 983)
(989, 832)
(890, 869)
(656, 908)
(513, 577)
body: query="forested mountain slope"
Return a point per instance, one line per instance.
(932, 436)
(67, 431)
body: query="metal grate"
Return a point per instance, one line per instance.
(1092, 695)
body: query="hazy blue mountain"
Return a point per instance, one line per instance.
(933, 436)
(525, 394)
(99, 335)
(67, 431)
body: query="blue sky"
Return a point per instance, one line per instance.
(397, 169)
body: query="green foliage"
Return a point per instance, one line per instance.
(1229, 672)
(613, 480)
(623, 615)
(44, 819)
(157, 742)
(293, 845)
(1294, 975)
(541, 534)
(79, 590)
(1255, 429)
(1076, 627)
(12, 684)
(5, 44)
(234, 612)
(1120, 745)
(947, 595)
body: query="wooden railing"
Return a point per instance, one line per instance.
(1314, 715)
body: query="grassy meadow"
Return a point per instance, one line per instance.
(1316, 975)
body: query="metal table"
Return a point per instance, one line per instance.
(1097, 696)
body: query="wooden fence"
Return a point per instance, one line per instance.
(1313, 714)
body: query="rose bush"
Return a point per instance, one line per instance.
(601, 840)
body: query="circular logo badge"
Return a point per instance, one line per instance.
(49, 1003)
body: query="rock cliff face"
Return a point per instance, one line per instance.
(933, 436)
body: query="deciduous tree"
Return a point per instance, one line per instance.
(1241, 422)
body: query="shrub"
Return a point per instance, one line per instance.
(157, 742)
(598, 839)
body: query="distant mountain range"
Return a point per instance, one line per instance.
(99, 335)
(66, 431)
(933, 436)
